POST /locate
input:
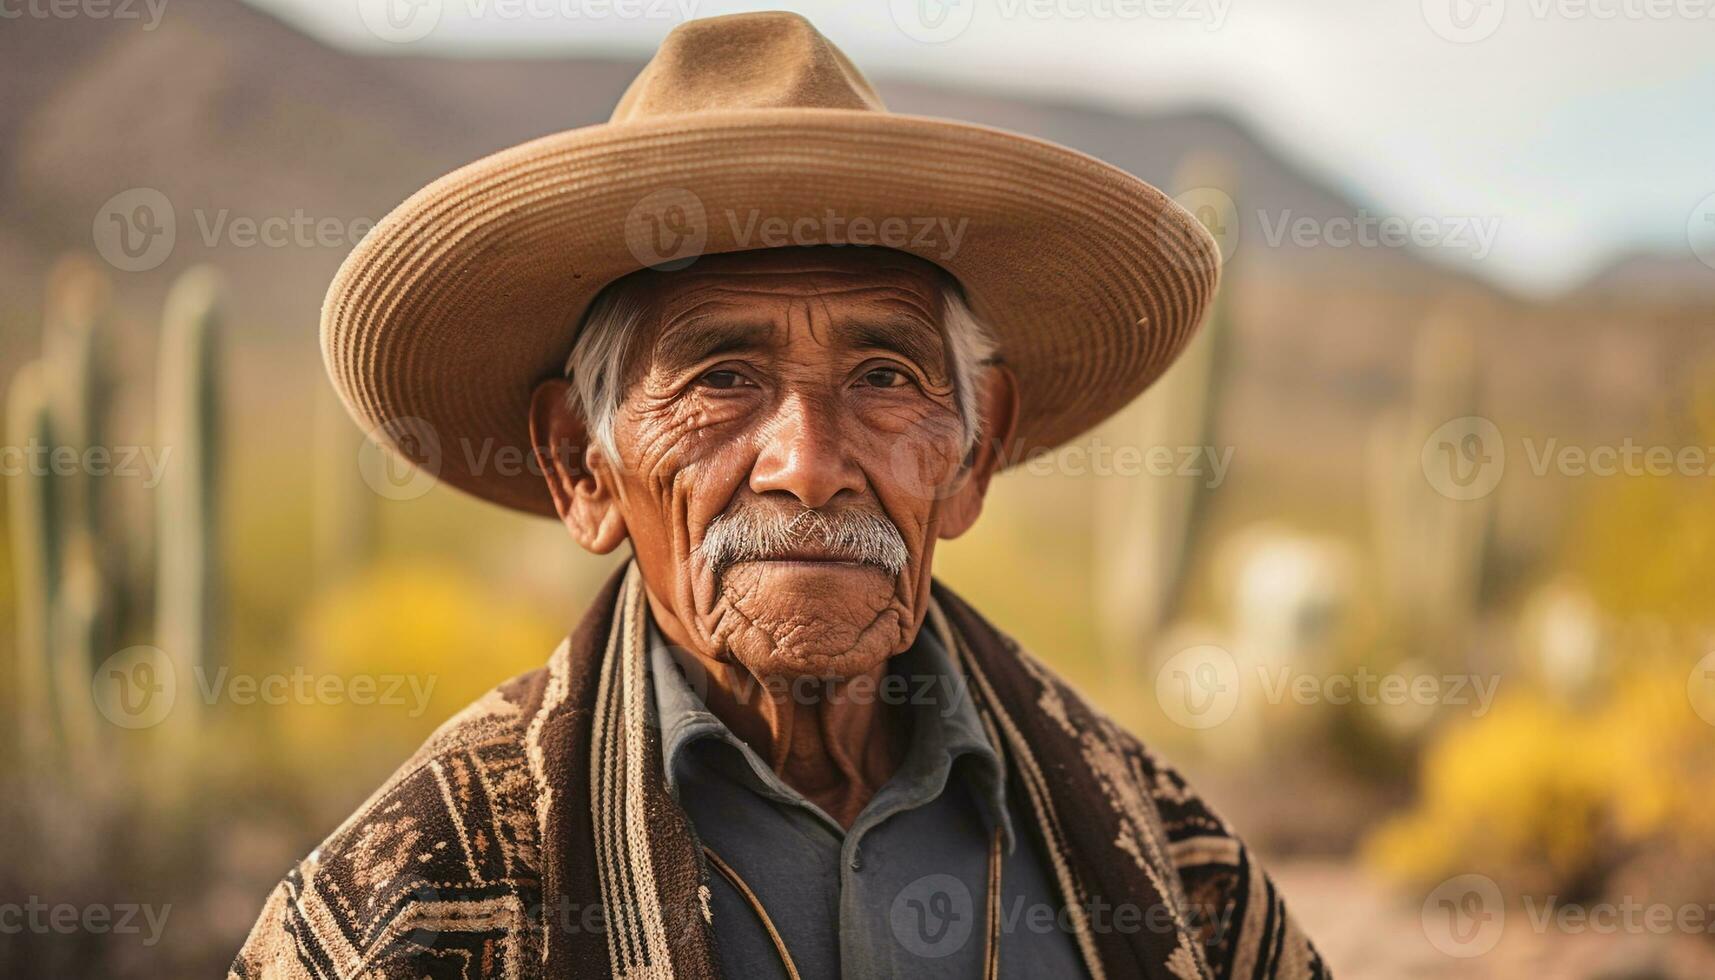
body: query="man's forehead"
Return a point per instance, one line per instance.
(860, 274)
(870, 298)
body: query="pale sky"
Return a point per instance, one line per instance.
(1582, 127)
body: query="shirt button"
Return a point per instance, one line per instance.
(856, 863)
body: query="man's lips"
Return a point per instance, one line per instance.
(807, 556)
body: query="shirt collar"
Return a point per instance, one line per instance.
(947, 734)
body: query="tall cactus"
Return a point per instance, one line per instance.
(77, 384)
(1150, 523)
(34, 516)
(1429, 548)
(345, 515)
(187, 535)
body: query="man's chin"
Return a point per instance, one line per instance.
(812, 619)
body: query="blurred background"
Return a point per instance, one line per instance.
(1407, 563)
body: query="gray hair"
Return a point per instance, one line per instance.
(611, 329)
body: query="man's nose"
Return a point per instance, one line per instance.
(805, 455)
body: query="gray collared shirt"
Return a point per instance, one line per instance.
(904, 891)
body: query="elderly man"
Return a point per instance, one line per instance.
(775, 747)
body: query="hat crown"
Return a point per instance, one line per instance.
(746, 61)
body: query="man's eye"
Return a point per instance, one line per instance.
(723, 379)
(884, 377)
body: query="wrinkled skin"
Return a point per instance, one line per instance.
(800, 378)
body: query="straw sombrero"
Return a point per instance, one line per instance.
(741, 130)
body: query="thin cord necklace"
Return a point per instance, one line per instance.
(991, 929)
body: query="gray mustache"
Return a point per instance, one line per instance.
(751, 533)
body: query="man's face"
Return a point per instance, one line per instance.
(787, 445)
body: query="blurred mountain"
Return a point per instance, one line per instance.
(1651, 276)
(232, 114)
(229, 112)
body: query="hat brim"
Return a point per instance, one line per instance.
(442, 321)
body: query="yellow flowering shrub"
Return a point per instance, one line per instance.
(1543, 794)
(396, 651)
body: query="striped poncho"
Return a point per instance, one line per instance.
(533, 836)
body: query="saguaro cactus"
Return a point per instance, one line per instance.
(35, 524)
(76, 391)
(55, 411)
(188, 430)
(345, 507)
(1150, 522)
(1430, 549)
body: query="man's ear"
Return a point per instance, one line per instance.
(997, 401)
(579, 476)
